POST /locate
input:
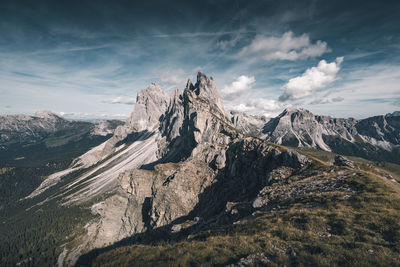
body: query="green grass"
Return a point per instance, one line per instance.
(335, 229)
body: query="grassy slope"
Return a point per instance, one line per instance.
(321, 229)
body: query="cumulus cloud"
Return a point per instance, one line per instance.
(258, 106)
(285, 47)
(239, 96)
(242, 84)
(312, 79)
(121, 100)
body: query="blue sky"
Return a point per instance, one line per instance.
(88, 59)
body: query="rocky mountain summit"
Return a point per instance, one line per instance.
(175, 155)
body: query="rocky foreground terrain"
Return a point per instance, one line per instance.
(184, 182)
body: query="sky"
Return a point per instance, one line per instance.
(88, 59)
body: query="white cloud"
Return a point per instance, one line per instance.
(85, 115)
(285, 47)
(121, 100)
(239, 96)
(258, 106)
(241, 84)
(312, 79)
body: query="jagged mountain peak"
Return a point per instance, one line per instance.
(202, 78)
(152, 91)
(206, 89)
(162, 127)
(205, 86)
(151, 103)
(393, 114)
(298, 111)
(47, 114)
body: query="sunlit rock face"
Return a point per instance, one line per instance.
(370, 138)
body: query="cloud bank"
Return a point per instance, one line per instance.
(312, 79)
(266, 107)
(239, 96)
(121, 100)
(242, 84)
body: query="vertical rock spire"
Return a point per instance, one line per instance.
(206, 89)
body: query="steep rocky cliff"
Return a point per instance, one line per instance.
(177, 155)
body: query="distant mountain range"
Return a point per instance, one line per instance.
(29, 129)
(375, 138)
(26, 138)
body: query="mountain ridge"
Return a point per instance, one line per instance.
(369, 138)
(182, 158)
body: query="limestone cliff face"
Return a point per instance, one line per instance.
(171, 122)
(196, 119)
(177, 155)
(133, 144)
(206, 163)
(195, 187)
(151, 103)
